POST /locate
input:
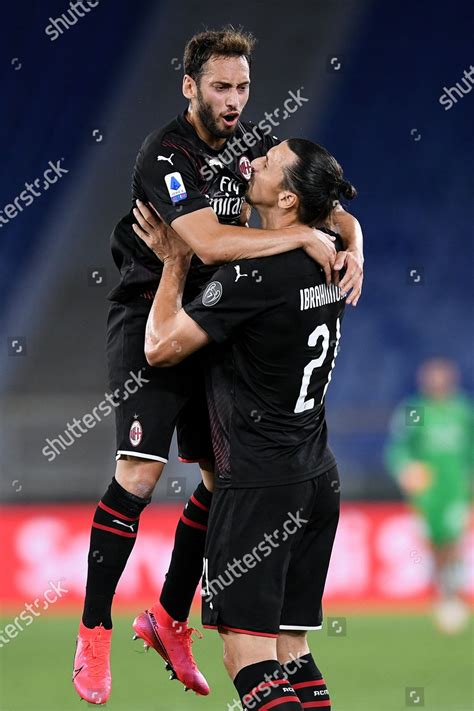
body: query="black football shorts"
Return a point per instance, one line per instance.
(267, 556)
(151, 402)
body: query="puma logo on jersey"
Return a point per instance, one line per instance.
(165, 158)
(238, 274)
(127, 525)
(216, 162)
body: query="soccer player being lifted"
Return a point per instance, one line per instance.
(275, 327)
(194, 172)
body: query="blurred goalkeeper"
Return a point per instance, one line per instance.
(430, 453)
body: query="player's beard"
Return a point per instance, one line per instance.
(248, 197)
(208, 120)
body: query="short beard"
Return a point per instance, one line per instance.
(248, 198)
(249, 188)
(204, 111)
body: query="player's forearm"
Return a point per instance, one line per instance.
(350, 230)
(230, 243)
(166, 304)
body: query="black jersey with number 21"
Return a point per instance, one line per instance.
(278, 325)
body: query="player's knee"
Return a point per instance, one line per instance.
(138, 476)
(229, 657)
(293, 634)
(291, 644)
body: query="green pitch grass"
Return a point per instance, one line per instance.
(369, 668)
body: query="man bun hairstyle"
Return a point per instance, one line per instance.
(347, 190)
(317, 178)
(227, 42)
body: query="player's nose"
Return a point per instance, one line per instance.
(232, 101)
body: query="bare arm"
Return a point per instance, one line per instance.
(171, 335)
(215, 243)
(352, 258)
(350, 230)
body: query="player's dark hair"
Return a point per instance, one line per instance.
(317, 178)
(227, 42)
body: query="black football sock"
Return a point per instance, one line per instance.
(308, 681)
(113, 535)
(185, 568)
(265, 685)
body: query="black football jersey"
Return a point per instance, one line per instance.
(277, 325)
(178, 173)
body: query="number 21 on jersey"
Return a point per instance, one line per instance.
(320, 332)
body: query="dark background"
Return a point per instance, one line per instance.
(373, 73)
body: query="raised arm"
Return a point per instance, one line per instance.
(352, 258)
(171, 335)
(350, 230)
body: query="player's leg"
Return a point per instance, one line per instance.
(252, 664)
(185, 569)
(446, 523)
(194, 446)
(146, 411)
(113, 534)
(138, 476)
(207, 475)
(250, 537)
(164, 626)
(298, 664)
(304, 589)
(292, 645)
(447, 562)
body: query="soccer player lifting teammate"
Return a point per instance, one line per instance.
(181, 171)
(275, 326)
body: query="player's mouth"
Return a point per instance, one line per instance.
(231, 118)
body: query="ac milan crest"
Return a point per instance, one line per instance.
(136, 433)
(245, 167)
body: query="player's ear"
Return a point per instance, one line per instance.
(189, 87)
(287, 199)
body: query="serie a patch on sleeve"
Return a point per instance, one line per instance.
(212, 293)
(176, 189)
